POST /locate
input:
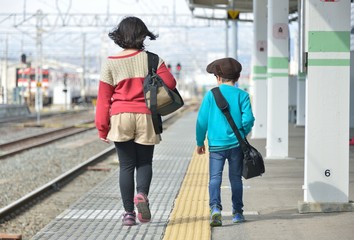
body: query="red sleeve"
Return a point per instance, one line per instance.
(103, 106)
(166, 76)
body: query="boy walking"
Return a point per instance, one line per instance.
(222, 142)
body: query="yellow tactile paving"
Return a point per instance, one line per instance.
(190, 216)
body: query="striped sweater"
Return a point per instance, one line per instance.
(121, 87)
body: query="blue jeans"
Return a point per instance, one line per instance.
(216, 166)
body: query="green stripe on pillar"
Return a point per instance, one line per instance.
(259, 78)
(259, 69)
(329, 62)
(278, 62)
(271, 75)
(324, 41)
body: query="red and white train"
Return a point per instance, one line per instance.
(53, 81)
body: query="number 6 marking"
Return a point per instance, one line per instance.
(328, 173)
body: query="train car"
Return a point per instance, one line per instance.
(50, 79)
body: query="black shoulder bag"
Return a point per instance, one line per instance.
(158, 97)
(253, 164)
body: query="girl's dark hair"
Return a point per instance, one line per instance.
(131, 33)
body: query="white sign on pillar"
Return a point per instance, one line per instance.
(278, 79)
(259, 69)
(327, 41)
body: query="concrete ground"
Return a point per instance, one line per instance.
(271, 202)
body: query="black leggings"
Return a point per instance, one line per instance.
(134, 156)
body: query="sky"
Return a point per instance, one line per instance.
(192, 47)
(84, 6)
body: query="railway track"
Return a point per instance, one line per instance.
(31, 198)
(19, 145)
(13, 209)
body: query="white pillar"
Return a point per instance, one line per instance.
(259, 69)
(327, 102)
(226, 38)
(300, 99)
(278, 79)
(351, 121)
(234, 42)
(301, 77)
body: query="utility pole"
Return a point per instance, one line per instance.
(24, 9)
(65, 90)
(23, 66)
(38, 71)
(5, 80)
(174, 11)
(83, 94)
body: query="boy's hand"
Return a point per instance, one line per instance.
(200, 150)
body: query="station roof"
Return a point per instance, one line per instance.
(243, 6)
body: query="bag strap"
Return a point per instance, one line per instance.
(153, 61)
(224, 107)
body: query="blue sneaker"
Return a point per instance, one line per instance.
(215, 217)
(238, 218)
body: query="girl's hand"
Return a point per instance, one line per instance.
(105, 140)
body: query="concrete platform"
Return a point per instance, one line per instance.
(179, 200)
(98, 214)
(272, 202)
(10, 111)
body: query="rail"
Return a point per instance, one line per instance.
(11, 210)
(19, 145)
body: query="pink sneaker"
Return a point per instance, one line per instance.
(142, 203)
(129, 218)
